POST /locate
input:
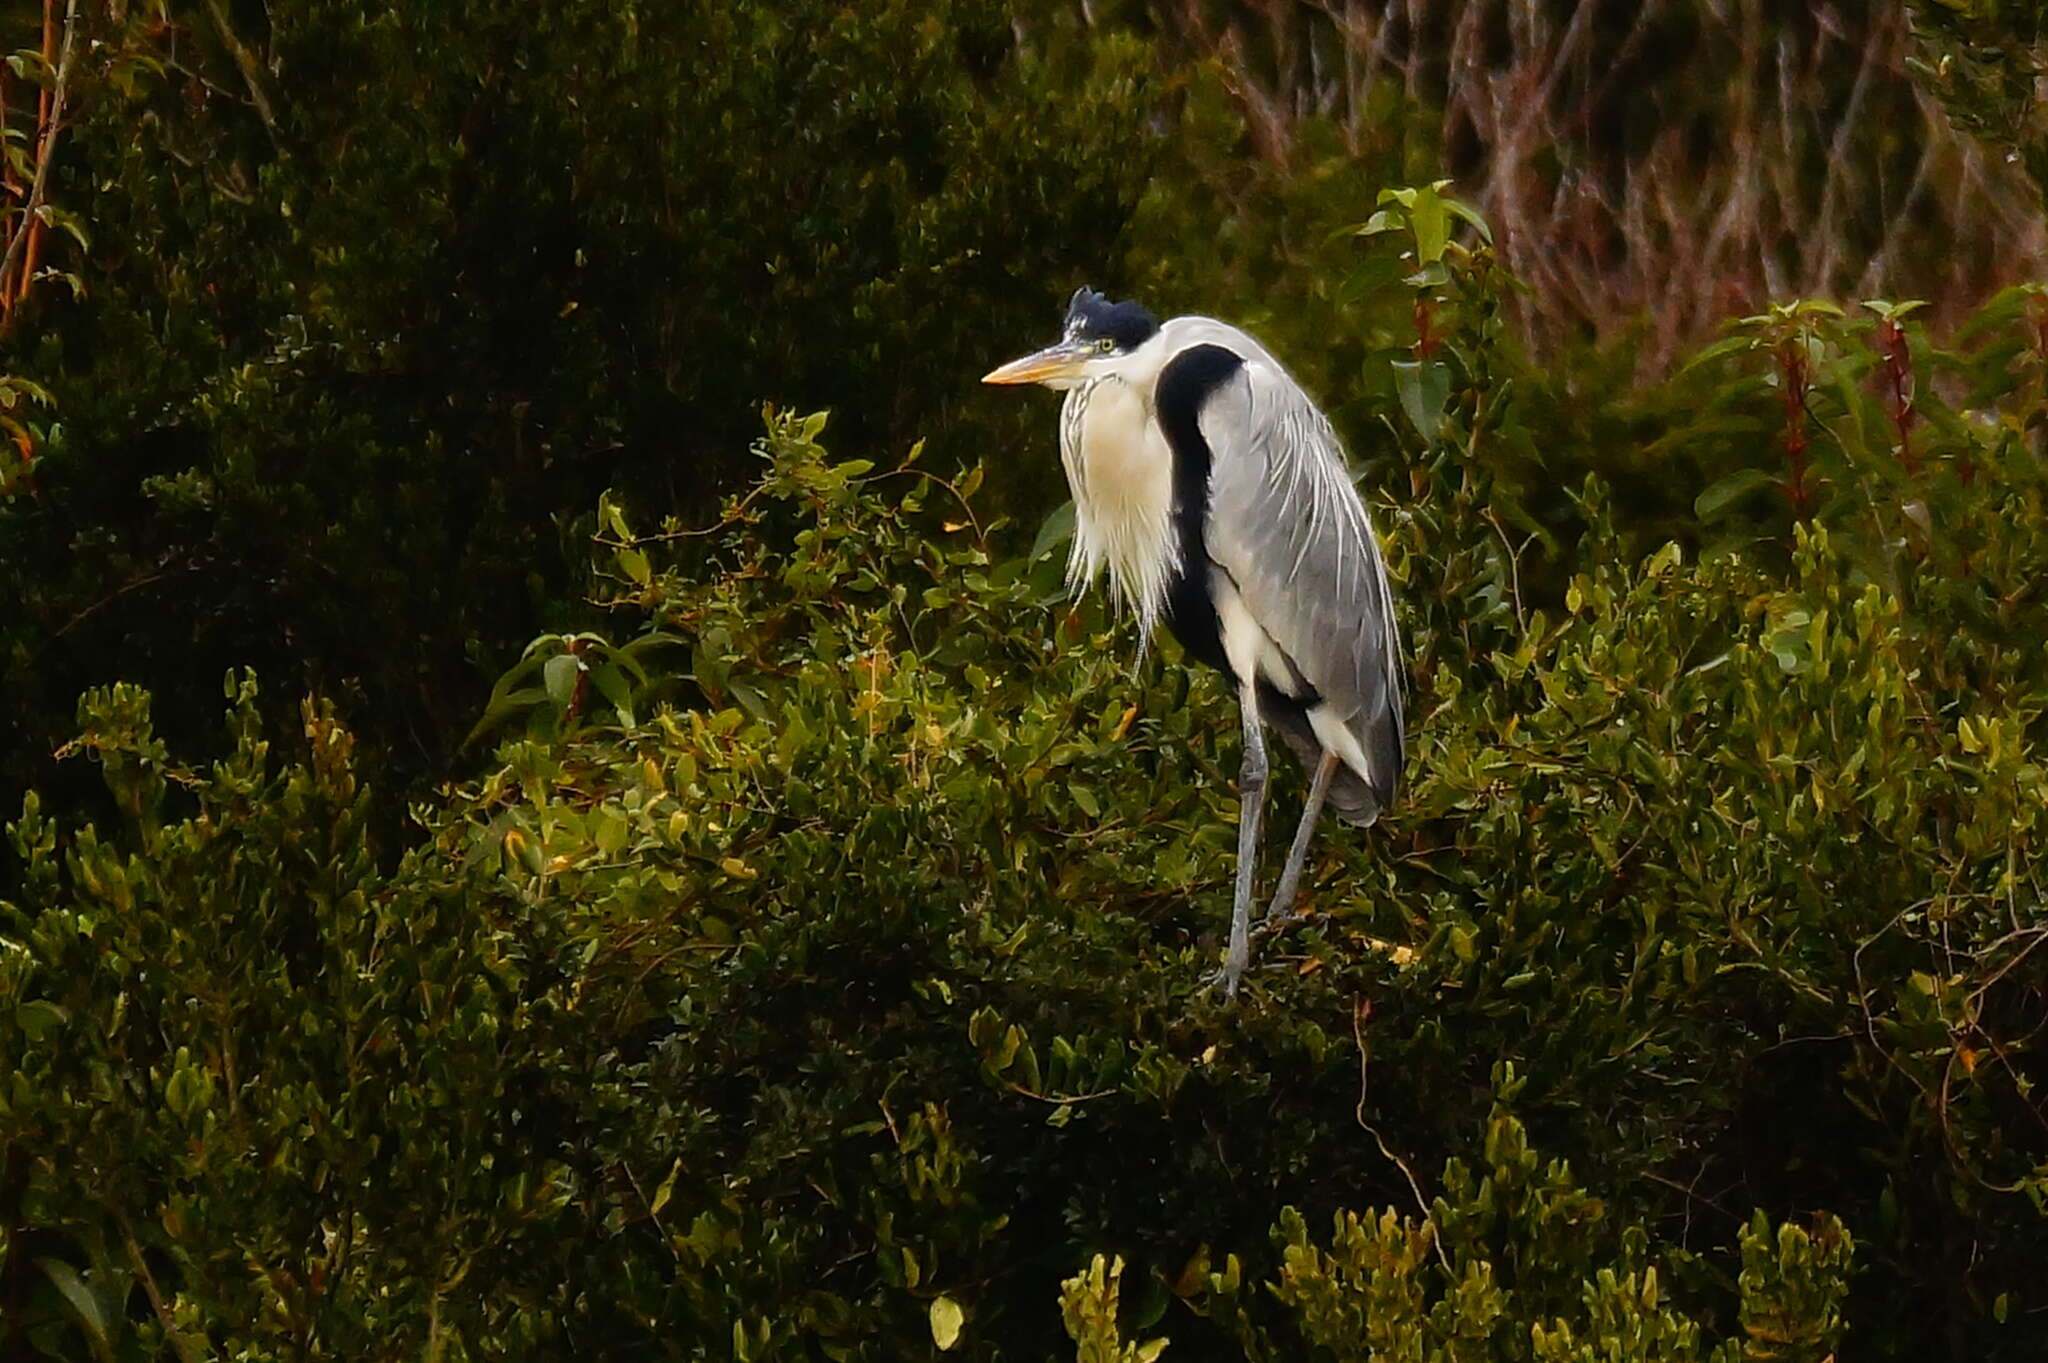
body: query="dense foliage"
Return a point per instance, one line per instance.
(848, 997)
(350, 342)
(817, 966)
(331, 313)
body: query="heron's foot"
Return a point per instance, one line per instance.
(1226, 977)
(1231, 975)
(1280, 923)
(1234, 962)
(1219, 978)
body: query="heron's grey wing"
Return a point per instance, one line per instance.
(1288, 526)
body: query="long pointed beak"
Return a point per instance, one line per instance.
(1054, 362)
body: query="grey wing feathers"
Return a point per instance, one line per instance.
(1288, 526)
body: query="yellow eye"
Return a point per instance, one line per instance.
(1105, 345)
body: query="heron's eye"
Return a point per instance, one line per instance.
(1105, 345)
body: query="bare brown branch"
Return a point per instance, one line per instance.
(1664, 167)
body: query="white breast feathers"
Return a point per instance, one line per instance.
(1121, 473)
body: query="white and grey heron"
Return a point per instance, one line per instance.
(1216, 495)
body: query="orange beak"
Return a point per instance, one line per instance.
(1054, 362)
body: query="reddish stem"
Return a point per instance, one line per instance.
(46, 136)
(1425, 342)
(13, 191)
(1898, 377)
(1796, 382)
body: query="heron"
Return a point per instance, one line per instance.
(1216, 496)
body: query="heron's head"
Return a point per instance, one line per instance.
(1099, 336)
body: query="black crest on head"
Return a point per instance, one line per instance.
(1090, 317)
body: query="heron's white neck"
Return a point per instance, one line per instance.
(1121, 473)
(1121, 469)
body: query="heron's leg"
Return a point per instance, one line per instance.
(1297, 855)
(1251, 792)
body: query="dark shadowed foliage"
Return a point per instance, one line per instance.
(368, 314)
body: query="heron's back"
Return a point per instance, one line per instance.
(1291, 537)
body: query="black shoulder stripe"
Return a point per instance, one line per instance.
(1184, 385)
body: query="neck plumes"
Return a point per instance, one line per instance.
(1121, 473)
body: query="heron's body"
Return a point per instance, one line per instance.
(1215, 496)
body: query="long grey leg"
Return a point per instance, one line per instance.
(1297, 855)
(1251, 791)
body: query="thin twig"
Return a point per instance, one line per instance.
(1514, 568)
(1360, 1011)
(1059, 1102)
(164, 569)
(662, 537)
(980, 539)
(246, 63)
(156, 1297)
(1691, 1195)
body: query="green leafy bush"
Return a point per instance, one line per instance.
(851, 1000)
(816, 971)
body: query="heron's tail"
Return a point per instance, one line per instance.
(1351, 797)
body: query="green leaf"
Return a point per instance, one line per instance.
(612, 831)
(634, 564)
(1727, 345)
(60, 220)
(81, 1304)
(28, 388)
(1058, 528)
(1722, 495)
(628, 657)
(1462, 944)
(504, 708)
(67, 278)
(611, 684)
(947, 1318)
(1432, 225)
(1424, 386)
(1386, 220)
(30, 65)
(38, 1016)
(613, 518)
(560, 674)
(750, 698)
(665, 1190)
(1472, 216)
(1369, 276)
